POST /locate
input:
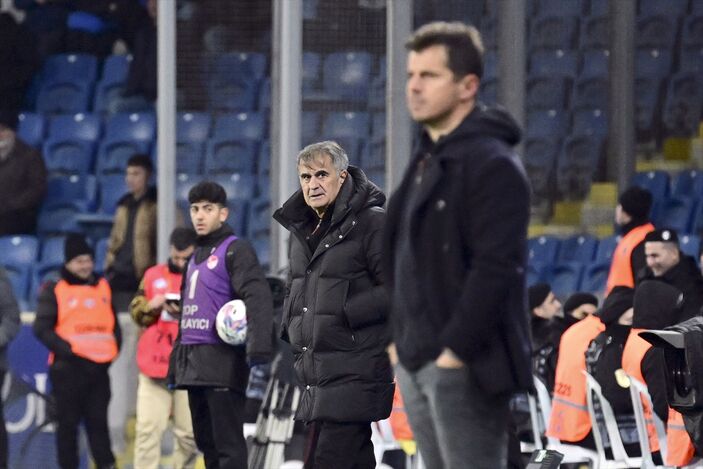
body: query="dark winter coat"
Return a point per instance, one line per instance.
(468, 234)
(686, 277)
(22, 188)
(335, 312)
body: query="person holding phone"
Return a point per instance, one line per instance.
(155, 308)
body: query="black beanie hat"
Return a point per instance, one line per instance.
(615, 304)
(76, 245)
(657, 305)
(636, 202)
(579, 299)
(663, 235)
(537, 293)
(8, 118)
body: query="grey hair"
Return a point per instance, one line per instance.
(339, 157)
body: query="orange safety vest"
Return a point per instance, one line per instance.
(156, 343)
(569, 420)
(632, 355)
(621, 266)
(86, 321)
(679, 447)
(399, 418)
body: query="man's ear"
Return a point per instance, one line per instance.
(343, 175)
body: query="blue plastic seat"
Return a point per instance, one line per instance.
(52, 250)
(58, 219)
(262, 246)
(64, 97)
(347, 75)
(488, 92)
(116, 68)
(241, 126)
(676, 213)
(238, 65)
(234, 95)
(600, 7)
(40, 275)
(591, 93)
(690, 245)
(560, 7)
(19, 276)
(139, 126)
(378, 127)
(547, 123)
(595, 31)
(595, 277)
(263, 164)
(79, 126)
(100, 254)
(550, 31)
(669, 7)
(310, 125)
(112, 189)
(378, 177)
(490, 65)
(546, 92)
(581, 248)
(265, 90)
(77, 189)
(263, 187)
(230, 156)
(113, 155)
(189, 157)
(688, 183)
(595, 63)
(692, 32)
(184, 183)
(656, 182)
(565, 279)
(311, 72)
(19, 250)
(543, 249)
(540, 161)
(107, 95)
(68, 156)
(259, 217)
(653, 63)
(193, 126)
(580, 156)
(346, 124)
(647, 99)
(590, 122)
(554, 62)
(30, 128)
(684, 101)
(691, 59)
(72, 68)
(373, 156)
(606, 248)
(657, 31)
(377, 93)
(534, 273)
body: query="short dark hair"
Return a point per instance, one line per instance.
(142, 160)
(462, 42)
(182, 238)
(208, 191)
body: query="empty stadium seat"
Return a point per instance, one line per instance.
(241, 126)
(346, 124)
(189, 157)
(100, 254)
(676, 213)
(58, 219)
(554, 62)
(378, 177)
(581, 248)
(373, 156)
(578, 162)
(259, 217)
(113, 155)
(657, 182)
(64, 97)
(139, 126)
(234, 95)
(76, 189)
(377, 93)
(378, 127)
(112, 188)
(606, 248)
(19, 276)
(116, 68)
(40, 274)
(547, 123)
(591, 93)
(533, 273)
(75, 127)
(647, 105)
(52, 250)
(564, 279)
(262, 246)
(19, 250)
(692, 32)
(657, 7)
(193, 126)
(347, 75)
(560, 7)
(238, 65)
(594, 277)
(595, 63)
(30, 128)
(230, 156)
(653, 63)
(311, 71)
(590, 122)
(688, 184)
(68, 156)
(656, 31)
(265, 90)
(690, 245)
(263, 167)
(184, 182)
(540, 161)
(543, 249)
(71, 68)
(691, 59)
(546, 92)
(595, 31)
(552, 31)
(106, 96)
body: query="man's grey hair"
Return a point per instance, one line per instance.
(340, 160)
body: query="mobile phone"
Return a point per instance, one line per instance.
(173, 298)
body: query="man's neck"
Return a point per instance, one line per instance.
(450, 122)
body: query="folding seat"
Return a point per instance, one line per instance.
(675, 8)
(577, 164)
(238, 65)
(52, 249)
(490, 65)
(488, 92)
(193, 126)
(373, 156)
(543, 249)
(58, 219)
(259, 217)
(227, 155)
(647, 105)
(100, 254)
(19, 276)
(547, 123)
(656, 182)
(580, 248)
(237, 94)
(112, 189)
(263, 186)
(534, 273)
(68, 156)
(554, 62)
(39, 275)
(540, 158)
(560, 7)
(684, 101)
(30, 128)
(64, 97)
(590, 122)
(140, 126)
(591, 93)
(262, 246)
(551, 31)
(347, 75)
(263, 163)
(106, 95)
(311, 71)
(75, 127)
(19, 250)
(184, 183)
(241, 126)
(656, 31)
(640, 394)
(653, 63)
(546, 92)
(378, 127)
(595, 63)
(676, 213)
(346, 124)
(691, 59)
(80, 190)
(71, 68)
(189, 157)
(310, 125)
(690, 245)
(565, 279)
(606, 248)
(692, 32)
(377, 94)
(116, 68)
(595, 277)
(688, 183)
(239, 189)
(113, 155)
(595, 32)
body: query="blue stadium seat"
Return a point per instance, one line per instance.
(240, 126)
(240, 189)
(30, 128)
(657, 182)
(547, 123)
(580, 248)
(690, 245)
(346, 124)
(77, 189)
(490, 65)
(310, 125)
(238, 65)
(378, 177)
(606, 248)
(560, 7)
(565, 279)
(140, 126)
(674, 8)
(373, 156)
(265, 90)
(347, 75)
(688, 183)
(189, 157)
(684, 101)
(234, 95)
(263, 186)
(112, 188)
(230, 156)
(595, 31)
(696, 8)
(100, 254)
(311, 71)
(599, 7)
(71, 68)
(52, 250)
(676, 213)
(19, 276)
(64, 97)
(263, 166)
(58, 219)
(595, 63)
(594, 278)
(377, 93)
(378, 127)
(543, 249)
(554, 62)
(647, 105)
(106, 96)
(113, 155)
(692, 32)
(577, 164)
(590, 122)
(184, 182)
(68, 156)
(534, 273)
(489, 32)
(540, 157)
(262, 246)
(79, 126)
(691, 59)
(591, 93)
(546, 92)
(116, 68)
(657, 31)
(551, 31)
(193, 126)
(653, 63)
(259, 217)
(40, 275)
(488, 92)
(19, 250)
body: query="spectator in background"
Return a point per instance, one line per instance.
(22, 179)
(666, 263)
(18, 60)
(77, 322)
(9, 327)
(544, 307)
(632, 218)
(132, 246)
(46, 25)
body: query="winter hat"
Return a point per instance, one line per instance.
(636, 201)
(579, 299)
(8, 118)
(657, 305)
(663, 235)
(76, 245)
(537, 293)
(616, 303)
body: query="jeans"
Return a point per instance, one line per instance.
(455, 423)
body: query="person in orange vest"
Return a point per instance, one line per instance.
(657, 305)
(632, 218)
(569, 420)
(76, 321)
(152, 309)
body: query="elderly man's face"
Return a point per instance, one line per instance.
(320, 182)
(661, 256)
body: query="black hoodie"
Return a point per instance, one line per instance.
(686, 277)
(457, 233)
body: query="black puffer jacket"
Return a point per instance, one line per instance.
(686, 277)
(335, 312)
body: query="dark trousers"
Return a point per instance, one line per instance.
(340, 446)
(218, 418)
(3, 430)
(81, 396)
